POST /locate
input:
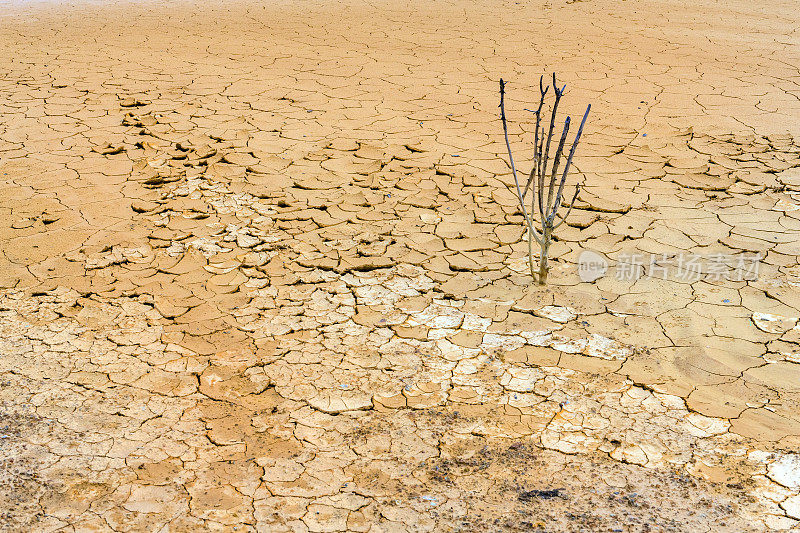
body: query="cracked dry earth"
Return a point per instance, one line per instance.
(262, 270)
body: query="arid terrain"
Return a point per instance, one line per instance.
(262, 268)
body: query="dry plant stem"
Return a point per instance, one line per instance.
(547, 193)
(531, 230)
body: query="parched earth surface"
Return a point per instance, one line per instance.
(262, 268)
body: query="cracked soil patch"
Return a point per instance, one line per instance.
(262, 269)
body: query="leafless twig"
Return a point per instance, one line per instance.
(546, 194)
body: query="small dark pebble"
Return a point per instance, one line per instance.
(546, 494)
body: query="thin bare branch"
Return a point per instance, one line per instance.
(556, 161)
(530, 177)
(536, 152)
(551, 188)
(505, 126)
(528, 220)
(569, 210)
(540, 192)
(574, 146)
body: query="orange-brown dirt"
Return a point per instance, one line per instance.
(262, 268)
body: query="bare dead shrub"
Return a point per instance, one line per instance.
(545, 186)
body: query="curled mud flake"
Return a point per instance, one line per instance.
(557, 313)
(439, 316)
(704, 426)
(774, 323)
(473, 322)
(567, 345)
(605, 348)
(518, 265)
(335, 403)
(537, 338)
(792, 507)
(785, 470)
(786, 206)
(520, 379)
(506, 342)
(453, 352)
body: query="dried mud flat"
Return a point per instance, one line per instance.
(261, 269)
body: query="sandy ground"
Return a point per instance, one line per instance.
(261, 268)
